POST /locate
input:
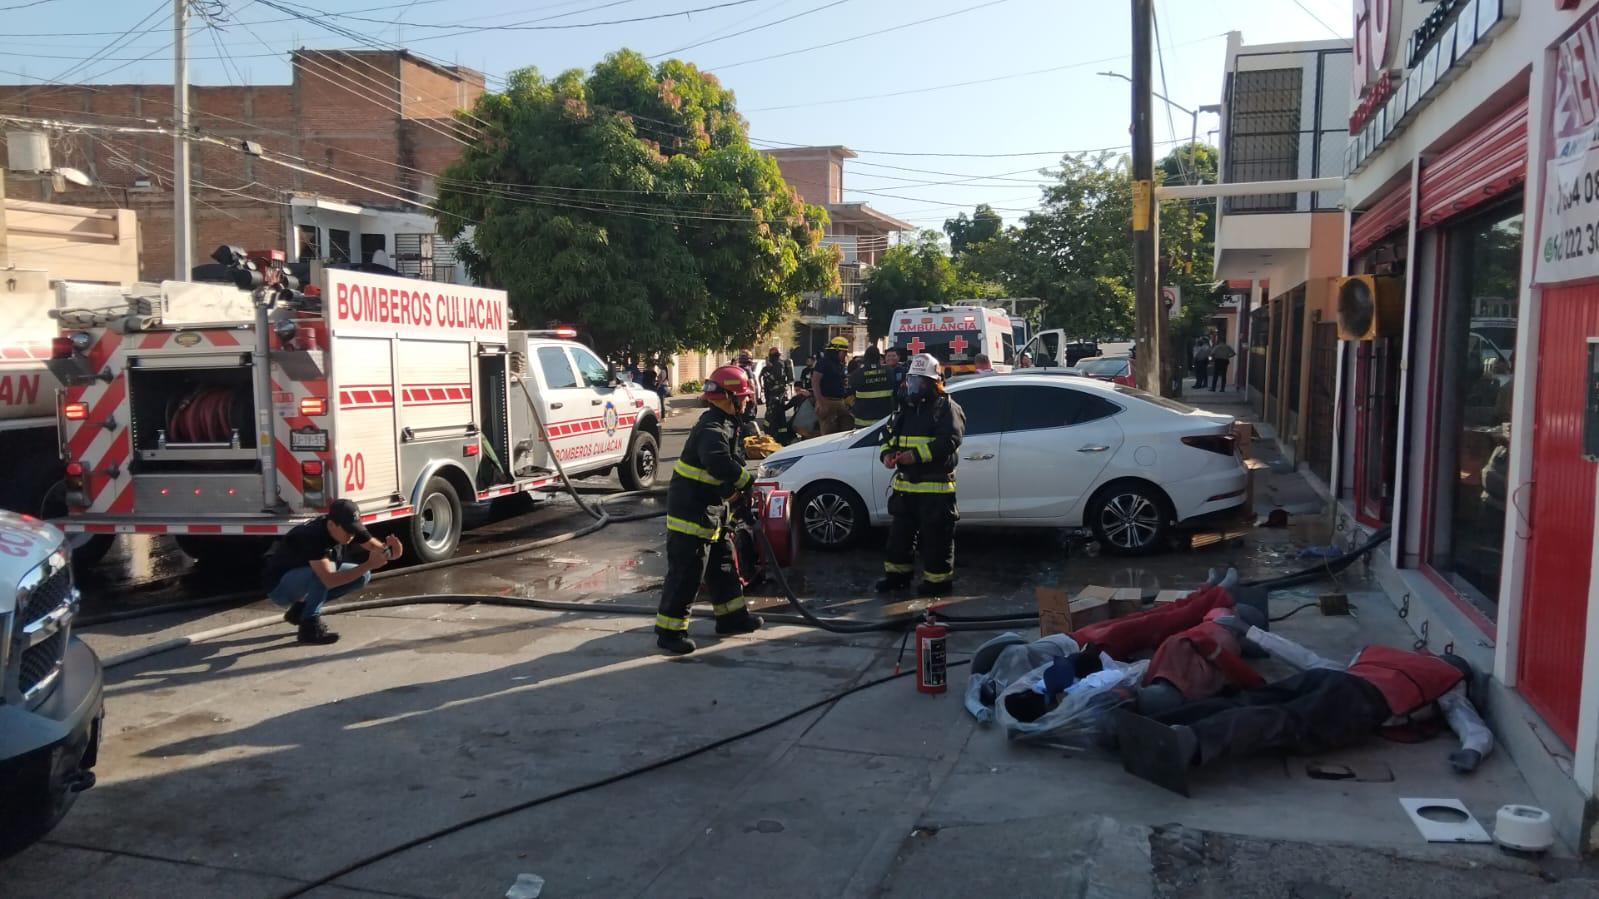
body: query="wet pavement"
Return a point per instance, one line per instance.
(252, 766)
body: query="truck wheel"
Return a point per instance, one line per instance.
(643, 461)
(436, 525)
(87, 549)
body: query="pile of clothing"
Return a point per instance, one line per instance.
(1170, 689)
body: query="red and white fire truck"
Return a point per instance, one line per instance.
(224, 416)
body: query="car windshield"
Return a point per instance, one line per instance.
(947, 346)
(1112, 367)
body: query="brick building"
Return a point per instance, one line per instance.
(381, 119)
(861, 233)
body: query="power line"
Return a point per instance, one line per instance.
(858, 37)
(956, 84)
(26, 5)
(713, 40)
(530, 26)
(1160, 55)
(1309, 12)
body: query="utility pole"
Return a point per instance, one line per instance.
(182, 211)
(1151, 318)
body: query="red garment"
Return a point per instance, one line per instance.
(1201, 662)
(1122, 638)
(1408, 680)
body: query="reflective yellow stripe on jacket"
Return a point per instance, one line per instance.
(873, 394)
(684, 526)
(695, 473)
(921, 446)
(904, 486)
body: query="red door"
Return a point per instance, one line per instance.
(1554, 609)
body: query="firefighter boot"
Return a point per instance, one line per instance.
(740, 622)
(936, 588)
(674, 642)
(314, 632)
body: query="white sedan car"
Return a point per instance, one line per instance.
(1041, 450)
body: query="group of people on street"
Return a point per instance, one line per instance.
(711, 486)
(1210, 363)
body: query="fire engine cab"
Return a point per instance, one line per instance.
(225, 414)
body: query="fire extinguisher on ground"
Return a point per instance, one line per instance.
(931, 662)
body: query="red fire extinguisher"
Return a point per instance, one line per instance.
(931, 676)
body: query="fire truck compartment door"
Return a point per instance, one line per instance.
(364, 427)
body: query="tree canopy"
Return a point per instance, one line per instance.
(1076, 253)
(629, 202)
(914, 274)
(966, 233)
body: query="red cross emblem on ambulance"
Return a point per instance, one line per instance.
(916, 345)
(959, 344)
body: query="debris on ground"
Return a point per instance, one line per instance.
(527, 886)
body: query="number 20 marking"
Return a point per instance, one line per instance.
(354, 472)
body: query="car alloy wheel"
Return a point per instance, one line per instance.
(1130, 521)
(829, 519)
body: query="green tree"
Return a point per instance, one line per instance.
(630, 202)
(910, 275)
(1075, 252)
(1195, 164)
(966, 233)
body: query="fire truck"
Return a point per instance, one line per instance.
(225, 414)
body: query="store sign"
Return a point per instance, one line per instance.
(1569, 224)
(1441, 47)
(1370, 80)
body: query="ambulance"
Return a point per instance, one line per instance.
(956, 335)
(225, 414)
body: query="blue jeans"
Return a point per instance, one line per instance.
(302, 585)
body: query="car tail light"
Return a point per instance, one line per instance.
(311, 468)
(471, 449)
(74, 473)
(75, 411)
(313, 405)
(1221, 444)
(60, 347)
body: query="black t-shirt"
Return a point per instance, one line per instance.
(834, 385)
(304, 544)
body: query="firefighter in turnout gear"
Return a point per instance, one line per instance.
(873, 386)
(707, 480)
(920, 443)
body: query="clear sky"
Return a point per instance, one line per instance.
(1042, 54)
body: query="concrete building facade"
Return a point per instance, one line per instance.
(379, 121)
(1464, 423)
(1284, 112)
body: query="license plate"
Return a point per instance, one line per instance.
(308, 441)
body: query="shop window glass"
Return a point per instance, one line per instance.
(1477, 368)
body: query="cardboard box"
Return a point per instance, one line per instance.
(1054, 611)
(1117, 601)
(1244, 434)
(1166, 596)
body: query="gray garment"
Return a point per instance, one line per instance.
(1457, 709)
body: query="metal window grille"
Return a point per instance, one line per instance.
(1264, 146)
